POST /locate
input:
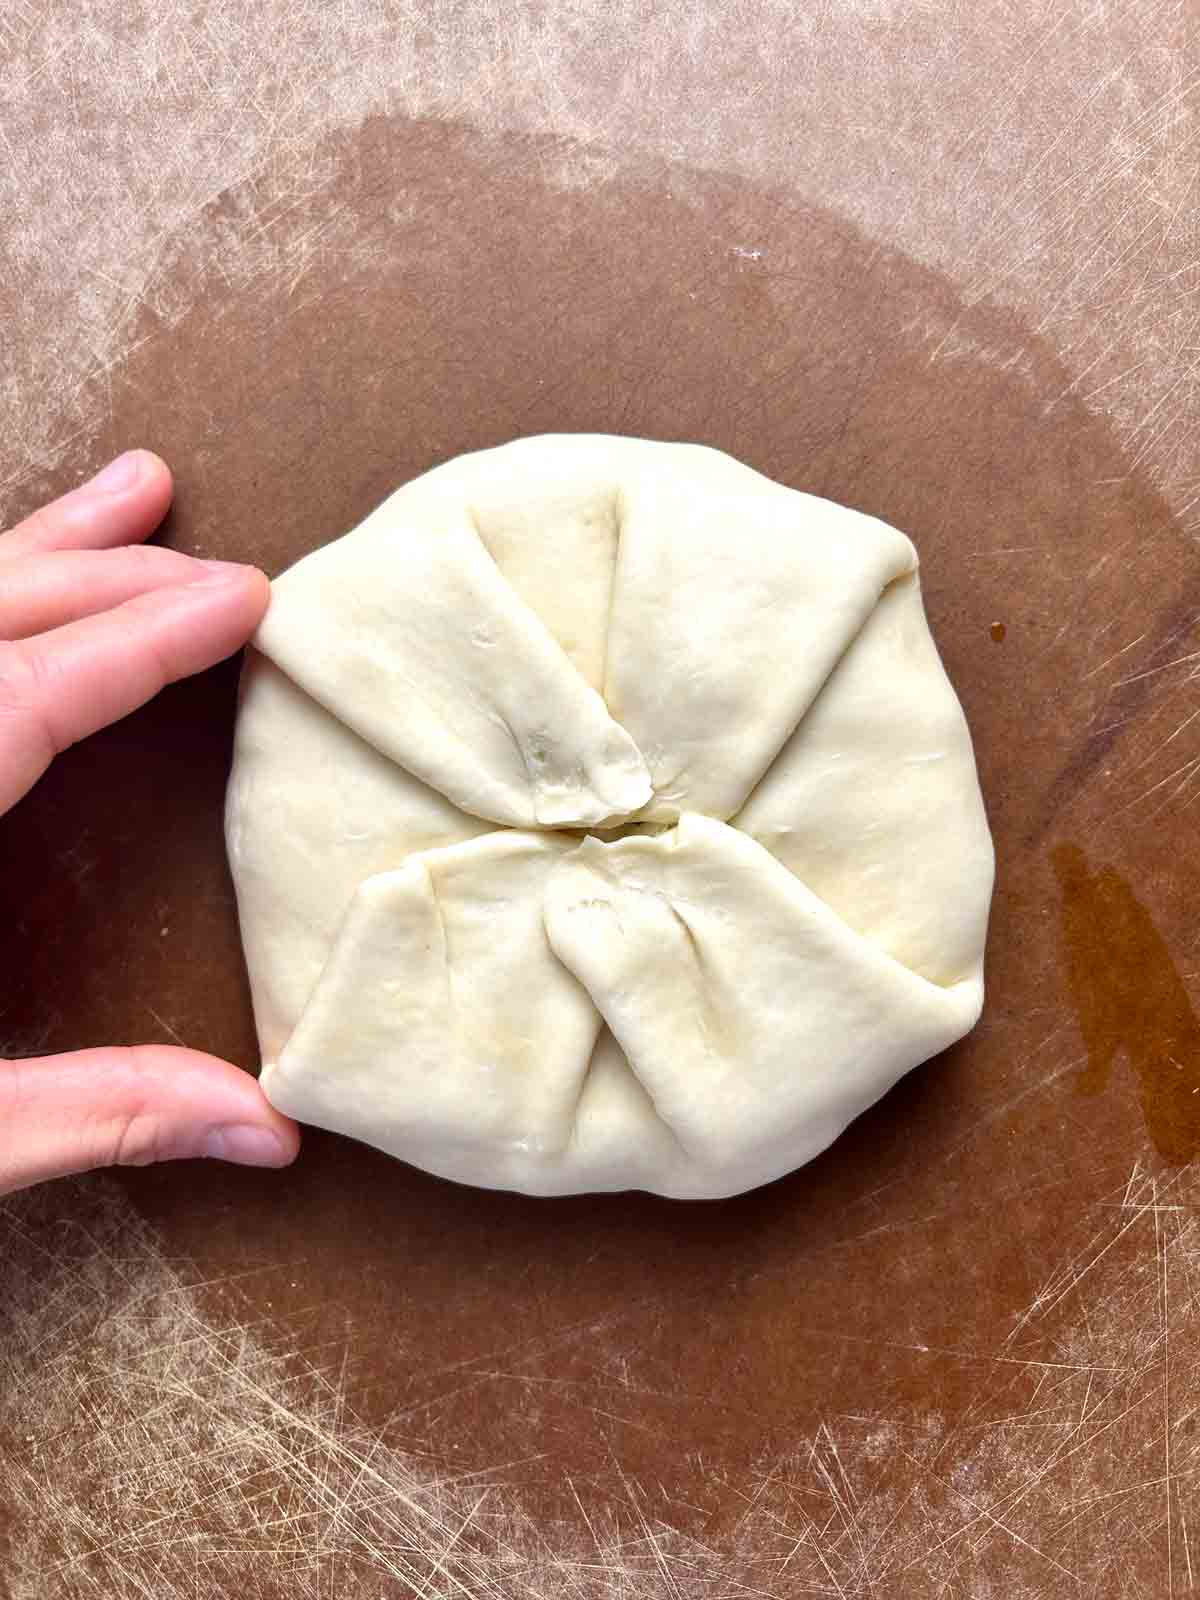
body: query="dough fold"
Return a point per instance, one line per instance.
(311, 811)
(714, 591)
(753, 1017)
(874, 804)
(411, 636)
(442, 1026)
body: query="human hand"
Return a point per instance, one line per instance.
(92, 625)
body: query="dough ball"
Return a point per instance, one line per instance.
(602, 817)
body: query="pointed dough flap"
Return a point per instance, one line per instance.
(729, 612)
(874, 803)
(757, 1022)
(443, 1029)
(410, 634)
(311, 810)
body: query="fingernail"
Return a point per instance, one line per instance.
(246, 1144)
(118, 475)
(217, 574)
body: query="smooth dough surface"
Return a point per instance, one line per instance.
(602, 817)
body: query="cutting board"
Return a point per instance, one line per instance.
(894, 259)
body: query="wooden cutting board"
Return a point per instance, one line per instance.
(935, 277)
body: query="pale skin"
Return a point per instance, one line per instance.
(93, 623)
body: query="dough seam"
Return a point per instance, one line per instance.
(619, 512)
(913, 572)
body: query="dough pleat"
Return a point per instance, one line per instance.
(754, 1018)
(874, 801)
(729, 612)
(311, 811)
(410, 635)
(443, 1029)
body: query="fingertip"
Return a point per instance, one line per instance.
(287, 1133)
(123, 503)
(139, 474)
(246, 589)
(148, 499)
(253, 1144)
(154, 475)
(249, 1132)
(219, 574)
(262, 592)
(259, 584)
(257, 589)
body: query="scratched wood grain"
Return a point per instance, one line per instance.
(937, 263)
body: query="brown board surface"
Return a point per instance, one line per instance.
(955, 1356)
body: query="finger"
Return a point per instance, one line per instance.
(46, 591)
(60, 686)
(131, 1106)
(123, 504)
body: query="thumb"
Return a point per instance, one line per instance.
(129, 1106)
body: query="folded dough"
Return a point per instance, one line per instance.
(601, 817)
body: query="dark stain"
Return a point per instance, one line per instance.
(1130, 703)
(1130, 1000)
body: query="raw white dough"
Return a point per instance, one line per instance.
(601, 818)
